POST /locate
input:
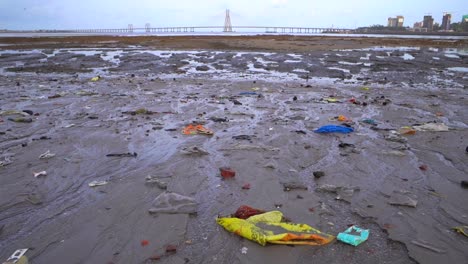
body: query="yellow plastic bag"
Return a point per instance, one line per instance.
(268, 228)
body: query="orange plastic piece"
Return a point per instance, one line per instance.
(196, 129)
(343, 118)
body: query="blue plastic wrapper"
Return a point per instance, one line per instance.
(334, 129)
(355, 240)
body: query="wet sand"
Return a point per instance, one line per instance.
(184, 80)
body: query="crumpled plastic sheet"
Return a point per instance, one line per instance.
(269, 228)
(334, 129)
(173, 203)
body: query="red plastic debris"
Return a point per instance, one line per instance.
(155, 257)
(311, 210)
(246, 186)
(144, 243)
(227, 172)
(423, 167)
(244, 212)
(171, 249)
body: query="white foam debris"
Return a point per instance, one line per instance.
(339, 69)
(349, 63)
(458, 69)
(407, 56)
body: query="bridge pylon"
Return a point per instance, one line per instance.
(227, 22)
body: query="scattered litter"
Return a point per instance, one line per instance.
(369, 121)
(331, 100)
(334, 129)
(427, 246)
(255, 89)
(34, 198)
(251, 147)
(300, 132)
(6, 161)
(340, 118)
(144, 243)
(171, 249)
(236, 102)
(318, 174)
(47, 155)
(436, 127)
(194, 150)
(248, 93)
(395, 138)
(402, 199)
(461, 230)
(245, 211)
(394, 153)
(349, 238)
(54, 96)
(140, 111)
(246, 186)
(14, 112)
(406, 130)
(128, 154)
(288, 186)
(343, 192)
(173, 203)
(95, 79)
(423, 167)
(86, 93)
(21, 120)
(39, 174)
(264, 228)
(242, 137)
(193, 129)
(97, 183)
(18, 257)
(244, 250)
(227, 172)
(153, 180)
(70, 125)
(219, 119)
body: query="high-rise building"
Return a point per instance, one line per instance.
(400, 21)
(418, 25)
(392, 22)
(428, 23)
(465, 18)
(395, 21)
(446, 21)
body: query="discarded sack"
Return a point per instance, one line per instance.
(173, 203)
(193, 129)
(334, 129)
(437, 127)
(264, 228)
(355, 240)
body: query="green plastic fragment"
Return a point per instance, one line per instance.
(355, 240)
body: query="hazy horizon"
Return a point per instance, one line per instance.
(55, 14)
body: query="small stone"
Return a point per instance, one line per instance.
(318, 174)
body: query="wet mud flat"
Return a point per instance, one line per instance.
(263, 107)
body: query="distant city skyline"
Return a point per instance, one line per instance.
(56, 14)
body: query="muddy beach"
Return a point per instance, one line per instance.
(397, 174)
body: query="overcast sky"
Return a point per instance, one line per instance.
(72, 14)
